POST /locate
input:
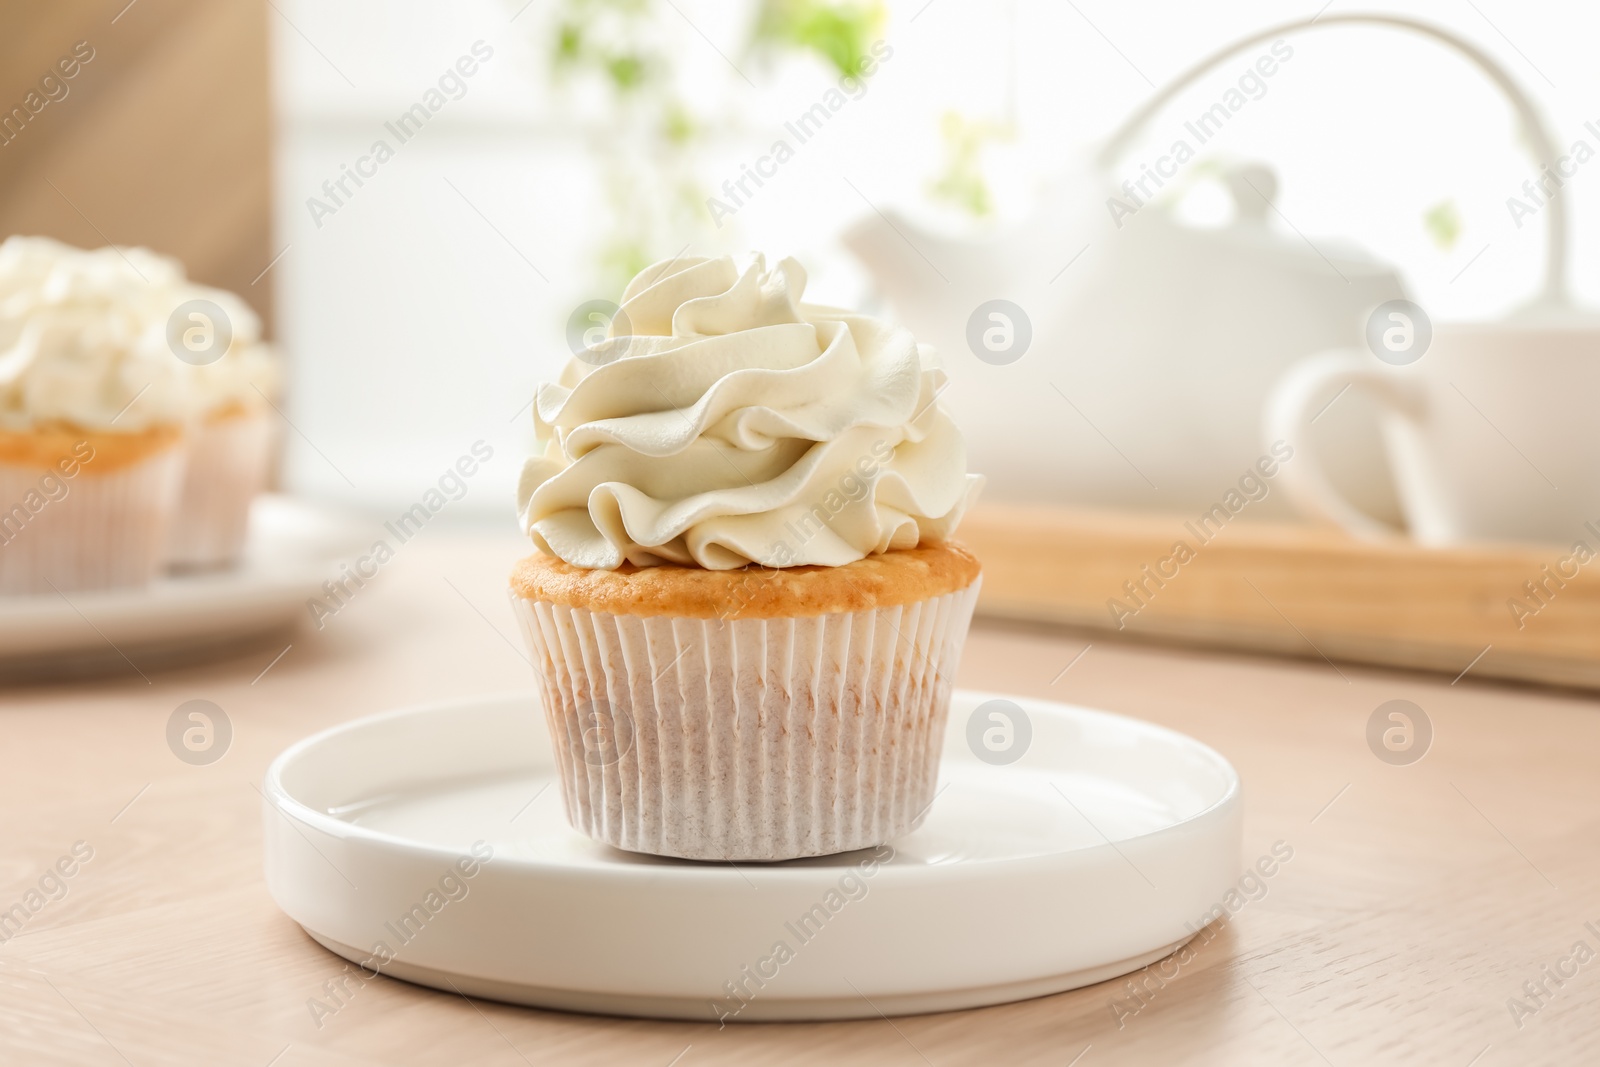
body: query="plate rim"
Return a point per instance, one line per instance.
(277, 797)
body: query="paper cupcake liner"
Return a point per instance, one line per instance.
(752, 739)
(228, 463)
(92, 531)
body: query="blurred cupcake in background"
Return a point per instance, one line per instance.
(134, 425)
(93, 410)
(230, 376)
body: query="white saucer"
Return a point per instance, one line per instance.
(1101, 850)
(289, 555)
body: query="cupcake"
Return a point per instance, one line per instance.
(231, 375)
(93, 411)
(745, 611)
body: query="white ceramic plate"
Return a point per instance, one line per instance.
(1100, 850)
(289, 555)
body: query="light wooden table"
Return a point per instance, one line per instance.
(1419, 898)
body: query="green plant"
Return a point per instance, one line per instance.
(961, 182)
(841, 33)
(1443, 223)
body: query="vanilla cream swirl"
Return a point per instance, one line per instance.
(723, 422)
(83, 340)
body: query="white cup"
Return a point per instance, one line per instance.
(1492, 431)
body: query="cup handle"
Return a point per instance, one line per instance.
(1288, 416)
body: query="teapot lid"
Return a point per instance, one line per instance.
(1258, 229)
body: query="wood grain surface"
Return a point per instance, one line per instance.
(1418, 901)
(1297, 590)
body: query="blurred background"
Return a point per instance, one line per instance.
(939, 156)
(588, 144)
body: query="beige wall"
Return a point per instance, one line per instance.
(162, 139)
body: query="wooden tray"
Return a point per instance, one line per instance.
(1296, 590)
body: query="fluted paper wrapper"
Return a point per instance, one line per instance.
(228, 462)
(749, 739)
(106, 530)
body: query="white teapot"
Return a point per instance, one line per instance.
(1133, 361)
